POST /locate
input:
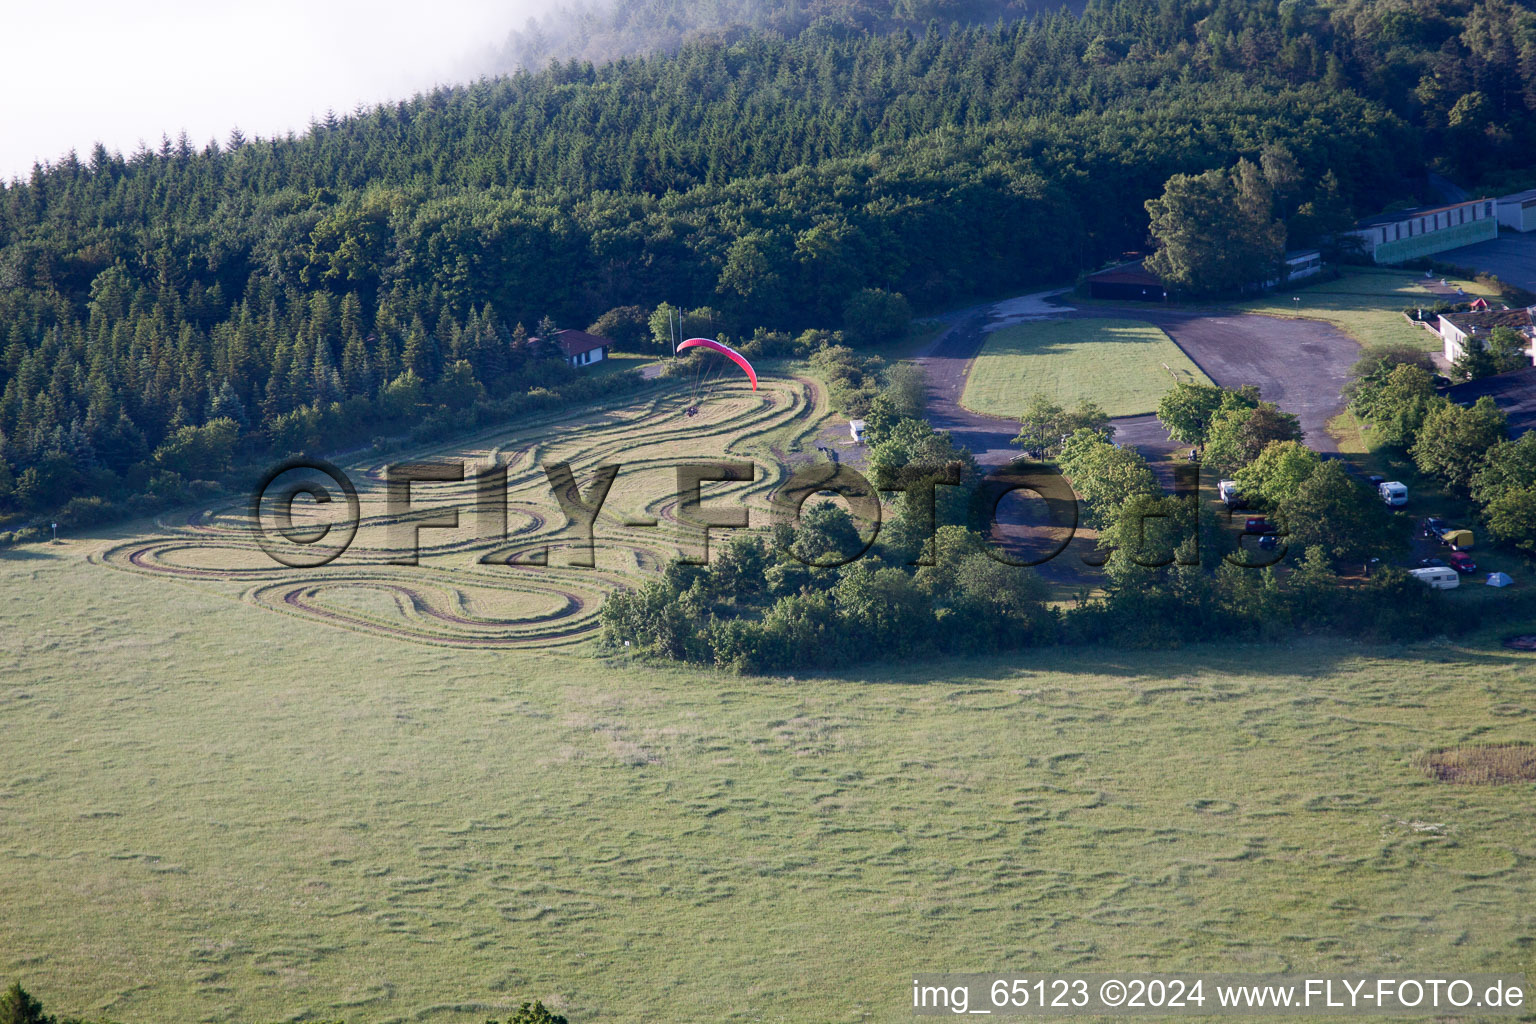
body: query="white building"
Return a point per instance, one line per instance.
(1410, 234)
(1300, 264)
(1456, 328)
(581, 348)
(1519, 210)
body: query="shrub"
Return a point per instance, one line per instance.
(83, 512)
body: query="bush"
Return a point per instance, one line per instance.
(533, 1013)
(83, 512)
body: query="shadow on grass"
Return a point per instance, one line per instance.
(1302, 658)
(29, 553)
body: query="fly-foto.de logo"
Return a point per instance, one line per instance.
(306, 513)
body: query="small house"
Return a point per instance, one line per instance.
(580, 348)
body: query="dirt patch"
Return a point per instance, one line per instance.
(1524, 642)
(1483, 764)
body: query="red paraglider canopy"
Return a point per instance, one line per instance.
(725, 350)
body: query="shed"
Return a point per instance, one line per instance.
(1127, 281)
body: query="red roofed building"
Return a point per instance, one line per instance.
(579, 347)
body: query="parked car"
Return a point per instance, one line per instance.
(1375, 479)
(1433, 563)
(1432, 525)
(1269, 541)
(1462, 562)
(1258, 524)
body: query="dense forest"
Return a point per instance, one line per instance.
(388, 266)
(605, 30)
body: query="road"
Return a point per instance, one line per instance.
(1511, 257)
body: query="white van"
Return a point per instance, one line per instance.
(1439, 578)
(1393, 493)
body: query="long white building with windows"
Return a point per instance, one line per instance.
(1409, 234)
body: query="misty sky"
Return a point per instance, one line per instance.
(118, 72)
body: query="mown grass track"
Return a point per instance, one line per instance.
(459, 570)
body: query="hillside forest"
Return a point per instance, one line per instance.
(164, 311)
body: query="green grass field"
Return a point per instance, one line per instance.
(1366, 303)
(1123, 365)
(236, 793)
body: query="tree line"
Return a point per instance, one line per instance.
(822, 593)
(377, 268)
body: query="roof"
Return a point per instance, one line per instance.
(1487, 320)
(1297, 254)
(574, 343)
(1523, 198)
(1133, 272)
(1418, 211)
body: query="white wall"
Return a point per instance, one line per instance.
(1518, 216)
(1452, 338)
